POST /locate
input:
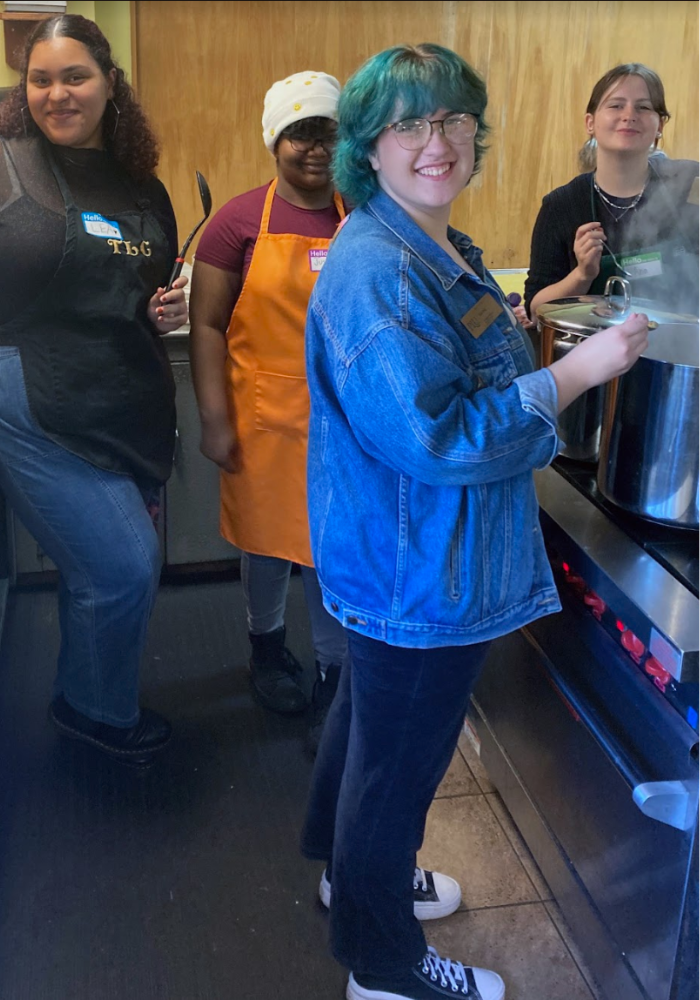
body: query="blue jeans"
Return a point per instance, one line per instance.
(265, 584)
(389, 738)
(96, 528)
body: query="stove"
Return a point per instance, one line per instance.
(637, 578)
(676, 549)
(588, 723)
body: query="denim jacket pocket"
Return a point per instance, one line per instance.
(490, 356)
(456, 558)
(495, 369)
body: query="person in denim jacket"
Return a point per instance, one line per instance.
(427, 421)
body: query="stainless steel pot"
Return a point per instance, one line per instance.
(649, 448)
(645, 424)
(580, 425)
(562, 324)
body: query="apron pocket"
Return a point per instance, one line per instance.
(281, 404)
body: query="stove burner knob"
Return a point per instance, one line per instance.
(577, 583)
(596, 604)
(634, 646)
(660, 675)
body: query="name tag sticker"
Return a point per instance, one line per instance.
(97, 225)
(482, 315)
(694, 193)
(317, 258)
(643, 265)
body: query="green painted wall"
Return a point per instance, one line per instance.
(113, 17)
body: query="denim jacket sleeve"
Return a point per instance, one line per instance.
(415, 409)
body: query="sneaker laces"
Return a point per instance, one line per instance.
(419, 880)
(446, 972)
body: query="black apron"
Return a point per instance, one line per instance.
(649, 268)
(97, 374)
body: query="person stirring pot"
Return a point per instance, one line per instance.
(255, 268)
(87, 411)
(632, 216)
(427, 421)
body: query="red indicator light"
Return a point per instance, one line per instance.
(620, 626)
(565, 567)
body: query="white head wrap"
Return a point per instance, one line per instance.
(302, 95)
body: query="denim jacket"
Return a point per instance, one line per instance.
(422, 441)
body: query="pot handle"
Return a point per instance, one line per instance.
(626, 294)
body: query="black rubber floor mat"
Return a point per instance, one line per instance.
(183, 882)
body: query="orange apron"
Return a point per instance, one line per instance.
(263, 505)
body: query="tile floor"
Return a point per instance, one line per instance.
(508, 920)
(205, 898)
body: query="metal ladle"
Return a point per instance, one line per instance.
(205, 196)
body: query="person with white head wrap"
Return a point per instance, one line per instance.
(255, 269)
(298, 97)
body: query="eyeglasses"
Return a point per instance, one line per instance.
(304, 143)
(415, 133)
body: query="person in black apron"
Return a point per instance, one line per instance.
(87, 398)
(635, 215)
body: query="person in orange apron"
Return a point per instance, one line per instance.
(255, 269)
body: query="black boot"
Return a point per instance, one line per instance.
(136, 746)
(321, 699)
(275, 673)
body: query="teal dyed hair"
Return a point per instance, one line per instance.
(417, 79)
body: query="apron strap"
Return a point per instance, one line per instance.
(269, 198)
(267, 208)
(594, 212)
(15, 185)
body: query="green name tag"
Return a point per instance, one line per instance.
(643, 265)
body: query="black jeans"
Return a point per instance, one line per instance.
(389, 738)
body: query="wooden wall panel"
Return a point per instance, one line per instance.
(203, 69)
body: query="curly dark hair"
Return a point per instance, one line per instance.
(127, 135)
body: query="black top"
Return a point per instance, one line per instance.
(31, 245)
(664, 212)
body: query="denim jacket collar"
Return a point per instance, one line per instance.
(397, 219)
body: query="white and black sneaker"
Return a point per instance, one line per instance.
(434, 895)
(433, 977)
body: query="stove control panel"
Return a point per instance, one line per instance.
(683, 696)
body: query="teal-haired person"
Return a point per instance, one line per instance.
(427, 421)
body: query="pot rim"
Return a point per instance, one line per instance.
(555, 313)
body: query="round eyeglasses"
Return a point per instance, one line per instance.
(304, 144)
(415, 133)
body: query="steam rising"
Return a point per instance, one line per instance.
(658, 219)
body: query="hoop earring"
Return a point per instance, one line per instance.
(24, 120)
(117, 113)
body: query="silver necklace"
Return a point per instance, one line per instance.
(613, 206)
